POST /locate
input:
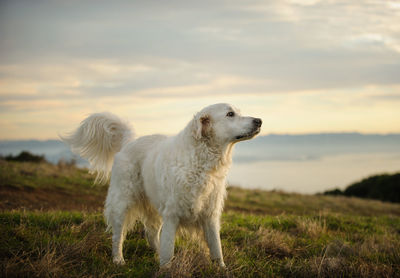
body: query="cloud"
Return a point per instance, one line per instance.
(386, 97)
(311, 44)
(77, 56)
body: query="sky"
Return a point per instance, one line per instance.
(303, 66)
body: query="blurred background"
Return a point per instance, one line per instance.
(323, 76)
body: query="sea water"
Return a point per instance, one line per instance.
(309, 163)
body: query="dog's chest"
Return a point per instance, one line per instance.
(203, 199)
(200, 188)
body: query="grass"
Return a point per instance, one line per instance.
(46, 186)
(45, 176)
(264, 234)
(276, 203)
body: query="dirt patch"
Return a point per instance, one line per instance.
(48, 199)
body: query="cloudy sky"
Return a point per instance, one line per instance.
(302, 65)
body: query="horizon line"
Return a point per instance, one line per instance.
(261, 135)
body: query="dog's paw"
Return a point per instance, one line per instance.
(219, 262)
(165, 263)
(166, 266)
(119, 261)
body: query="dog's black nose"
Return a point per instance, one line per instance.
(257, 122)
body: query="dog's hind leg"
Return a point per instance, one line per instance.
(153, 237)
(119, 207)
(152, 224)
(118, 237)
(117, 219)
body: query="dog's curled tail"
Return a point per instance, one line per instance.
(98, 138)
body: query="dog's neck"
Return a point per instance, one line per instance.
(212, 155)
(207, 153)
(215, 151)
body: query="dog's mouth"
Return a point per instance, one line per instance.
(249, 135)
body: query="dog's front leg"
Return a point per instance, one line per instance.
(211, 232)
(167, 240)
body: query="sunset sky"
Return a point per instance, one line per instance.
(303, 66)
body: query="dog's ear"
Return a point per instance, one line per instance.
(202, 126)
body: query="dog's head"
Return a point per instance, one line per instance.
(223, 123)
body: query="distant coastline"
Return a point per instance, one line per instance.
(306, 163)
(271, 147)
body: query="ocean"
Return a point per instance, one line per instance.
(308, 163)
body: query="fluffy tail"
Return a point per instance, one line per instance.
(99, 137)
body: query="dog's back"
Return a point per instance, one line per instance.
(138, 149)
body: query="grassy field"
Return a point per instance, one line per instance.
(52, 226)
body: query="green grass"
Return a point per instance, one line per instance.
(275, 203)
(264, 234)
(45, 176)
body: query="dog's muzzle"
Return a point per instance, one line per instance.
(257, 122)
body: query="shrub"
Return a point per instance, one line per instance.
(26, 156)
(380, 187)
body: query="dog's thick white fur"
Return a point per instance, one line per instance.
(164, 182)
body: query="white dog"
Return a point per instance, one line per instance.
(166, 182)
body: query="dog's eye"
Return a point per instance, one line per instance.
(230, 114)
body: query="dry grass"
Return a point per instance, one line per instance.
(60, 244)
(272, 244)
(264, 234)
(313, 228)
(277, 202)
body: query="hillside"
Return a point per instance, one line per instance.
(379, 187)
(51, 226)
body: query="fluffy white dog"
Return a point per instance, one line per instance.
(165, 182)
